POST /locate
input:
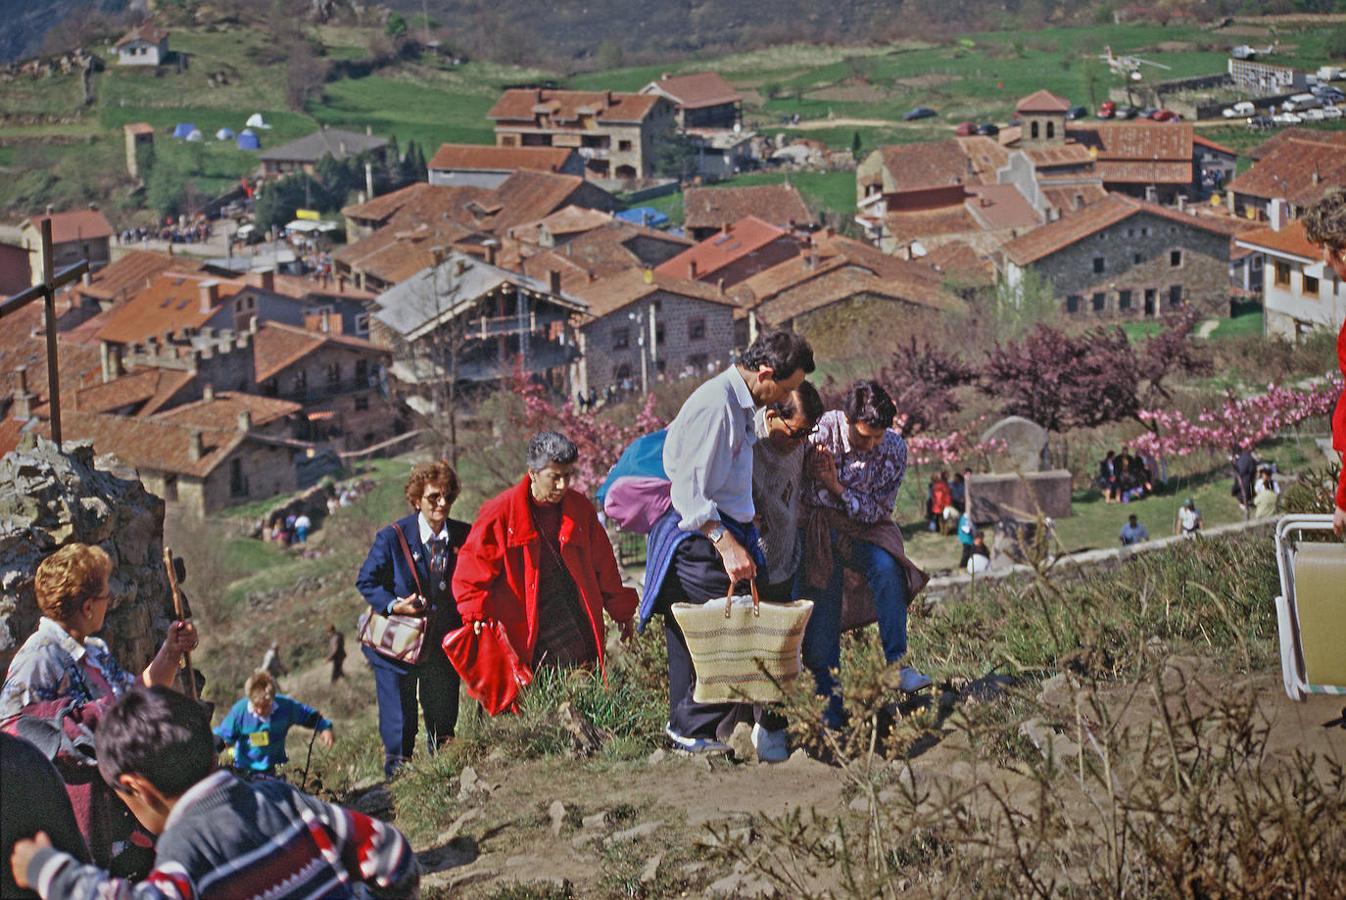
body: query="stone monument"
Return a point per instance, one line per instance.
(50, 498)
(1022, 488)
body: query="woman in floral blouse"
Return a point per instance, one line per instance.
(62, 679)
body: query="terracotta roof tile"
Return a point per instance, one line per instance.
(696, 91)
(491, 158)
(131, 389)
(148, 32)
(172, 302)
(20, 347)
(1136, 141)
(567, 221)
(277, 347)
(566, 106)
(150, 443)
(960, 261)
(1300, 169)
(133, 272)
(1069, 198)
(608, 295)
(1206, 142)
(985, 154)
(1059, 155)
(222, 411)
(1117, 172)
(906, 225)
(1042, 102)
(745, 237)
(1289, 241)
(384, 206)
(710, 207)
(1000, 206)
(73, 225)
(922, 166)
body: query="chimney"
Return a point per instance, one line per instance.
(719, 286)
(87, 279)
(208, 393)
(1151, 194)
(1079, 201)
(983, 201)
(490, 252)
(369, 181)
(1182, 203)
(210, 294)
(553, 281)
(266, 279)
(51, 210)
(22, 399)
(1278, 211)
(728, 227)
(245, 420)
(691, 269)
(195, 449)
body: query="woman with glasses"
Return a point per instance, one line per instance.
(420, 586)
(67, 677)
(539, 562)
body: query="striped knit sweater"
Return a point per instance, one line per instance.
(228, 839)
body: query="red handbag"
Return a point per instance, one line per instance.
(488, 666)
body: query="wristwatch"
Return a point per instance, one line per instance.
(716, 533)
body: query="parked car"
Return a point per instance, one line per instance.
(1164, 115)
(1076, 112)
(1300, 102)
(1287, 118)
(965, 129)
(988, 129)
(920, 112)
(1332, 112)
(1107, 110)
(1313, 115)
(1240, 109)
(1330, 95)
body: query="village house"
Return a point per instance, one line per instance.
(557, 229)
(1296, 169)
(76, 235)
(706, 211)
(24, 396)
(132, 272)
(1128, 258)
(615, 133)
(1300, 293)
(642, 326)
(196, 470)
(609, 248)
(14, 273)
(467, 323)
(737, 252)
(487, 166)
(336, 379)
(144, 45)
(701, 101)
(302, 155)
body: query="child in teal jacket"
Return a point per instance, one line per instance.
(256, 726)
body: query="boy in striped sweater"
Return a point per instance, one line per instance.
(219, 837)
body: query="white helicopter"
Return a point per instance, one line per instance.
(1128, 66)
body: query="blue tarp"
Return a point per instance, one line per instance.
(183, 129)
(248, 141)
(647, 216)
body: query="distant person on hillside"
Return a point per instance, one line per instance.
(1266, 494)
(966, 537)
(271, 661)
(336, 652)
(218, 836)
(256, 726)
(1245, 470)
(302, 526)
(1325, 225)
(1107, 477)
(979, 560)
(958, 493)
(1133, 532)
(1189, 519)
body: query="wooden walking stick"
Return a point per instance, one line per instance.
(181, 614)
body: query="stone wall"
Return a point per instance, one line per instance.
(695, 333)
(49, 499)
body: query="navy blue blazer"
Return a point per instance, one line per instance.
(385, 576)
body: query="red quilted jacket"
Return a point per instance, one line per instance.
(497, 571)
(1339, 421)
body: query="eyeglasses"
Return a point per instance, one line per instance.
(435, 499)
(797, 434)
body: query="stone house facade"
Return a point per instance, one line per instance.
(1300, 292)
(1129, 259)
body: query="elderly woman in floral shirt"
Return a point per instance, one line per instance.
(62, 679)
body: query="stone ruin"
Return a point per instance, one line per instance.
(50, 498)
(1022, 486)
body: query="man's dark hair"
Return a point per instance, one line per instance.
(867, 401)
(1133, 517)
(783, 351)
(158, 734)
(549, 447)
(1325, 221)
(809, 402)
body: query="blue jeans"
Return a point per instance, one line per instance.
(822, 638)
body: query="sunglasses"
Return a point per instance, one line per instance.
(435, 499)
(797, 434)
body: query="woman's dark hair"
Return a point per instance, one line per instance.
(158, 734)
(784, 352)
(808, 401)
(868, 402)
(549, 447)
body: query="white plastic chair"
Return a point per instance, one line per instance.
(1311, 609)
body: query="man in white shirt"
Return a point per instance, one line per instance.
(708, 457)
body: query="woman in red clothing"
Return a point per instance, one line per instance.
(539, 562)
(1325, 224)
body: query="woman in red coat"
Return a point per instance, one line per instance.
(1325, 223)
(539, 562)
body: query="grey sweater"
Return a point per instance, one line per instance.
(776, 484)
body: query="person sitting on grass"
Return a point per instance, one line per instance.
(218, 836)
(1133, 532)
(256, 726)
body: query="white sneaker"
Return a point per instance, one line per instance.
(771, 746)
(909, 681)
(694, 745)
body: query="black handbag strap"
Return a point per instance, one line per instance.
(406, 551)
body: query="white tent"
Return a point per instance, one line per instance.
(255, 121)
(196, 135)
(224, 134)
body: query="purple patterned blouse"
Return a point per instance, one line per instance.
(869, 480)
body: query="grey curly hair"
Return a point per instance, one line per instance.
(549, 447)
